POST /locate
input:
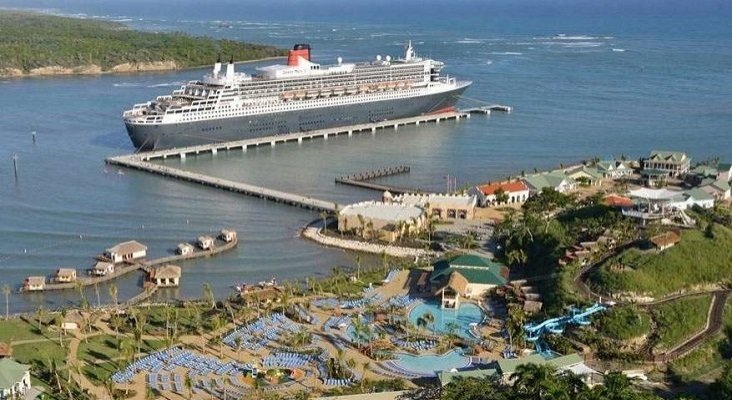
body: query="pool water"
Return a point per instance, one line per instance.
(465, 315)
(429, 364)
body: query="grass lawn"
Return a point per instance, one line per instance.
(104, 348)
(99, 373)
(17, 329)
(700, 361)
(624, 322)
(41, 352)
(679, 319)
(696, 260)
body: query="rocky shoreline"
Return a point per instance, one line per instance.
(313, 233)
(93, 69)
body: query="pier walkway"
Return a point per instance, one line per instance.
(298, 137)
(141, 161)
(361, 180)
(146, 266)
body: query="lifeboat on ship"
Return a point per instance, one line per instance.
(287, 96)
(381, 86)
(391, 85)
(339, 91)
(300, 95)
(364, 89)
(351, 90)
(326, 93)
(311, 94)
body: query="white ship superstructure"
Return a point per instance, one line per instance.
(299, 96)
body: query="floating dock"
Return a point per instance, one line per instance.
(361, 180)
(488, 109)
(141, 161)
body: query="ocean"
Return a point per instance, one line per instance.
(586, 79)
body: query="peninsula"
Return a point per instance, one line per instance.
(33, 44)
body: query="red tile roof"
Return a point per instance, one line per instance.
(613, 200)
(508, 187)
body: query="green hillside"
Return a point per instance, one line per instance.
(697, 260)
(29, 40)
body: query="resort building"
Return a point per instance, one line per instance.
(672, 163)
(126, 251)
(184, 249)
(719, 189)
(166, 276)
(385, 221)
(613, 169)
(556, 180)
(614, 200)
(34, 283)
(571, 362)
(205, 242)
(494, 194)
(584, 176)
(440, 206)
(15, 381)
(467, 276)
(65, 275)
(102, 268)
(227, 235)
(665, 240)
(698, 197)
(702, 175)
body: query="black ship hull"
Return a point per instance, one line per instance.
(164, 136)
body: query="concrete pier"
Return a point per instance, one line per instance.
(361, 180)
(141, 161)
(296, 136)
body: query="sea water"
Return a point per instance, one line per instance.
(586, 79)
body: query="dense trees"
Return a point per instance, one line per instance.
(34, 40)
(535, 382)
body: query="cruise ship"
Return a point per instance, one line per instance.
(300, 96)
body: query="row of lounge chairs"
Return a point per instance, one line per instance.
(287, 360)
(337, 322)
(337, 382)
(360, 303)
(327, 303)
(259, 333)
(397, 371)
(418, 345)
(391, 275)
(401, 301)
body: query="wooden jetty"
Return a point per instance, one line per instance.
(487, 109)
(362, 179)
(141, 161)
(144, 265)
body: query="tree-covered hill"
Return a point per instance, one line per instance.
(29, 40)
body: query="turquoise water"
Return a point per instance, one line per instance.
(467, 314)
(585, 78)
(428, 364)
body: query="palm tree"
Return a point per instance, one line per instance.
(324, 218)
(96, 290)
(113, 293)
(358, 267)
(237, 343)
(533, 381)
(60, 322)
(6, 293)
(40, 312)
(428, 318)
(209, 294)
(188, 383)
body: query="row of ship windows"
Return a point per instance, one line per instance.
(222, 113)
(212, 108)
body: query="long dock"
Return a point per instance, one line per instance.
(225, 184)
(299, 137)
(147, 266)
(141, 161)
(362, 179)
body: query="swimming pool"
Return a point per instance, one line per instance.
(467, 314)
(428, 365)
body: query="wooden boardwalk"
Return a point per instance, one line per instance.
(362, 180)
(141, 161)
(124, 269)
